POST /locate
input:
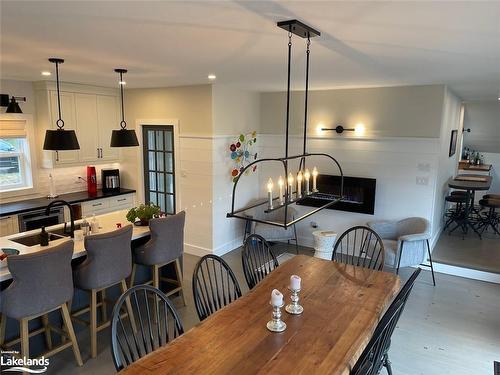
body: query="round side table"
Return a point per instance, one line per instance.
(323, 243)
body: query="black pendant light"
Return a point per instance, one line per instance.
(123, 137)
(60, 139)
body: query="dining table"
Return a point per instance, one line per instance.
(470, 183)
(342, 306)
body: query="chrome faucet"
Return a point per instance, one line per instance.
(60, 202)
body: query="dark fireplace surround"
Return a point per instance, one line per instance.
(359, 194)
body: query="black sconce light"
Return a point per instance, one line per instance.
(12, 103)
(339, 129)
(466, 130)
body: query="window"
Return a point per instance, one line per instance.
(15, 168)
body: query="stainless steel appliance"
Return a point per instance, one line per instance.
(110, 180)
(36, 219)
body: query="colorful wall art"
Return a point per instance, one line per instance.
(242, 153)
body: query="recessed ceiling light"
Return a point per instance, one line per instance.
(45, 73)
(212, 76)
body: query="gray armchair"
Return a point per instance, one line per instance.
(273, 233)
(406, 242)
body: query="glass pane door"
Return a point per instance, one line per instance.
(159, 173)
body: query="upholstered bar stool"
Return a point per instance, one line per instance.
(108, 263)
(42, 283)
(490, 219)
(165, 246)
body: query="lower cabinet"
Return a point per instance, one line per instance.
(105, 205)
(8, 225)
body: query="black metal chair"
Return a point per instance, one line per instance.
(491, 218)
(154, 316)
(214, 285)
(360, 246)
(375, 356)
(258, 259)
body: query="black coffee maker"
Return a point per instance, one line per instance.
(110, 180)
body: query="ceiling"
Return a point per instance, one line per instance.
(171, 43)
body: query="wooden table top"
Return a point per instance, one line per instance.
(342, 306)
(470, 185)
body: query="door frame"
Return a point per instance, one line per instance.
(140, 156)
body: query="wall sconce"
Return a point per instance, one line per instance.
(12, 105)
(466, 130)
(358, 129)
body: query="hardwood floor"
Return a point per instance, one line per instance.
(453, 328)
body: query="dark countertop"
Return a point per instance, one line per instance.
(14, 208)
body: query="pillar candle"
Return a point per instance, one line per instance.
(315, 175)
(307, 176)
(276, 298)
(295, 282)
(290, 186)
(299, 184)
(281, 182)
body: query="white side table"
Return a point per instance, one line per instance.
(323, 243)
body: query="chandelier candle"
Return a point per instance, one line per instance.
(315, 175)
(270, 193)
(299, 184)
(294, 308)
(290, 186)
(281, 183)
(307, 176)
(276, 324)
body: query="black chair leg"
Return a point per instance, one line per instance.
(387, 364)
(430, 260)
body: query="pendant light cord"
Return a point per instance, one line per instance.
(123, 124)
(288, 92)
(303, 161)
(60, 121)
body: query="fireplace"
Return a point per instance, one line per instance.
(359, 194)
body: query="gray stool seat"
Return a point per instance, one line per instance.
(109, 259)
(108, 263)
(42, 283)
(457, 198)
(491, 196)
(459, 192)
(165, 246)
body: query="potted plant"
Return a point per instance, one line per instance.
(143, 212)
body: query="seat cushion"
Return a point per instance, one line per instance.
(391, 248)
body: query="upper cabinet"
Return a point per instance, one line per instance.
(91, 111)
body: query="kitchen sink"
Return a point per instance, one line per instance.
(35, 239)
(60, 231)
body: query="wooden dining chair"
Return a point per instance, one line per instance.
(376, 354)
(360, 246)
(214, 285)
(154, 316)
(258, 259)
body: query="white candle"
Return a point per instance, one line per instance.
(295, 282)
(276, 298)
(315, 174)
(281, 182)
(307, 176)
(270, 192)
(299, 184)
(290, 186)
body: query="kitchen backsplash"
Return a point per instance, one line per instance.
(65, 180)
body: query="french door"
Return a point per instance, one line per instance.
(159, 166)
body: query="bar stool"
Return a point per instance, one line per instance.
(491, 219)
(454, 214)
(42, 283)
(165, 246)
(108, 263)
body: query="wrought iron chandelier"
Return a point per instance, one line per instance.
(287, 195)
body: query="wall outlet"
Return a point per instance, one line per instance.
(422, 180)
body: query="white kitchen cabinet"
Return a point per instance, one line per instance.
(87, 127)
(91, 111)
(8, 225)
(105, 205)
(107, 113)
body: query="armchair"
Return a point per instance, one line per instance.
(405, 241)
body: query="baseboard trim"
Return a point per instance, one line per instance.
(196, 250)
(228, 246)
(467, 273)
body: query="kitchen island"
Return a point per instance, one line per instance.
(107, 223)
